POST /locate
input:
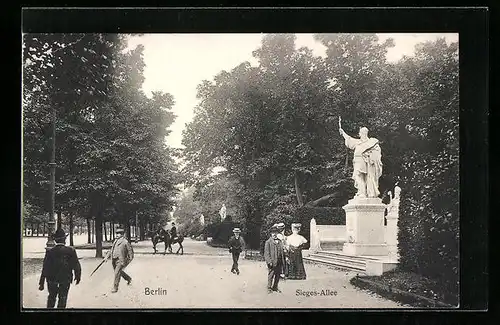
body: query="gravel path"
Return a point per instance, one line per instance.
(201, 278)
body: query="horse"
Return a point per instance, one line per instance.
(156, 237)
(164, 236)
(177, 240)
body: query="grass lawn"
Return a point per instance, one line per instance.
(416, 284)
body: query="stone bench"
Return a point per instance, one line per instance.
(331, 237)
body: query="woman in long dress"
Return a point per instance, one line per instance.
(296, 242)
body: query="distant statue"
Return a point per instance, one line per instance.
(393, 205)
(367, 162)
(222, 212)
(202, 220)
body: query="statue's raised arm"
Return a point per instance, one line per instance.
(341, 131)
(367, 164)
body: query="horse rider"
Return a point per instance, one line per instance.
(236, 246)
(121, 256)
(173, 232)
(59, 264)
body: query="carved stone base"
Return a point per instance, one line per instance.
(365, 249)
(365, 227)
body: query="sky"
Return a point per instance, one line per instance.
(177, 63)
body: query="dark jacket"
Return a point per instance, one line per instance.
(59, 264)
(173, 232)
(122, 250)
(273, 252)
(236, 245)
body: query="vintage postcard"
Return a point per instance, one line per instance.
(231, 170)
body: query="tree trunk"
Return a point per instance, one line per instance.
(298, 192)
(71, 243)
(98, 233)
(141, 231)
(93, 231)
(105, 231)
(89, 240)
(59, 219)
(113, 230)
(321, 199)
(127, 230)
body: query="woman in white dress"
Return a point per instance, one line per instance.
(296, 242)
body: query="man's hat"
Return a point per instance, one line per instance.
(120, 230)
(59, 234)
(236, 230)
(280, 225)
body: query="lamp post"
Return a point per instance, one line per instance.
(52, 164)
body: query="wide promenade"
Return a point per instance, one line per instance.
(200, 278)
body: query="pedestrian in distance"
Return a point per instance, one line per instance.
(121, 255)
(59, 264)
(236, 246)
(274, 257)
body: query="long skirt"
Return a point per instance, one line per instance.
(296, 270)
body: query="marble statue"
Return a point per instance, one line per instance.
(222, 212)
(393, 205)
(367, 162)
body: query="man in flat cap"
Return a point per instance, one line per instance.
(273, 255)
(121, 256)
(236, 246)
(59, 264)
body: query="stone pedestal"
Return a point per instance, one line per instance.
(365, 227)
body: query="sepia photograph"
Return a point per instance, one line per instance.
(240, 170)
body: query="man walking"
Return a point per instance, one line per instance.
(236, 246)
(273, 255)
(121, 256)
(59, 264)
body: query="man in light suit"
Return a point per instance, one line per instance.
(121, 256)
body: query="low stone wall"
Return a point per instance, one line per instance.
(330, 237)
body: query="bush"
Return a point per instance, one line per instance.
(429, 221)
(221, 232)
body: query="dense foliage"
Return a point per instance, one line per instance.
(112, 161)
(273, 128)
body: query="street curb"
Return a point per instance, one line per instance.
(398, 295)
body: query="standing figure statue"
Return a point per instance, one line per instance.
(222, 212)
(367, 162)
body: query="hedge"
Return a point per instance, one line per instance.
(429, 220)
(221, 232)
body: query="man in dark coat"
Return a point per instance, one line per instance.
(59, 264)
(274, 256)
(173, 232)
(236, 246)
(121, 256)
